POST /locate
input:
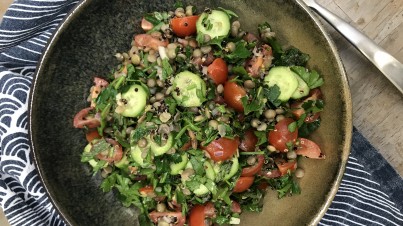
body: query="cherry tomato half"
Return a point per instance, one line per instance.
(180, 219)
(117, 152)
(284, 166)
(233, 94)
(280, 136)
(235, 207)
(298, 111)
(92, 135)
(196, 216)
(309, 149)
(249, 141)
(184, 26)
(252, 170)
(242, 184)
(218, 71)
(222, 149)
(199, 213)
(82, 119)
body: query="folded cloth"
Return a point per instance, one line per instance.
(371, 192)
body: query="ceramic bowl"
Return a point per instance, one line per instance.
(83, 47)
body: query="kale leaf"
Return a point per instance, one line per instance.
(292, 57)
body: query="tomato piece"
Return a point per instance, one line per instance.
(298, 110)
(180, 219)
(186, 146)
(280, 136)
(100, 82)
(146, 25)
(284, 166)
(199, 213)
(218, 71)
(184, 26)
(233, 94)
(209, 210)
(146, 40)
(258, 63)
(92, 135)
(249, 141)
(309, 149)
(262, 185)
(99, 85)
(197, 216)
(253, 66)
(82, 119)
(147, 191)
(117, 152)
(252, 170)
(222, 149)
(235, 207)
(242, 184)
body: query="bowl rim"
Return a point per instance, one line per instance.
(347, 122)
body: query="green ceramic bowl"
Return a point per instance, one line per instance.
(84, 46)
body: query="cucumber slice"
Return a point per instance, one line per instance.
(210, 174)
(216, 24)
(285, 79)
(123, 163)
(302, 89)
(159, 150)
(176, 168)
(234, 168)
(136, 154)
(134, 100)
(189, 89)
(201, 190)
(92, 162)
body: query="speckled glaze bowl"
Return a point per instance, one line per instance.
(84, 46)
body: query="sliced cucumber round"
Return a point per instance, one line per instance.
(216, 24)
(234, 168)
(133, 101)
(201, 190)
(285, 79)
(302, 89)
(123, 163)
(88, 148)
(136, 153)
(159, 150)
(189, 90)
(176, 168)
(210, 174)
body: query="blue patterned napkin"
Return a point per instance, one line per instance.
(371, 192)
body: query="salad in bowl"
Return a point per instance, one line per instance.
(201, 118)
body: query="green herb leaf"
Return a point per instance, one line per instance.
(292, 57)
(141, 131)
(307, 128)
(240, 52)
(292, 127)
(312, 79)
(261, 137)
(228, 12)
(166, 69)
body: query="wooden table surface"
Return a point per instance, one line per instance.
(377, 104)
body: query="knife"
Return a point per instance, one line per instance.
(386, 63)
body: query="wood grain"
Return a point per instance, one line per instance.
(377, 104)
